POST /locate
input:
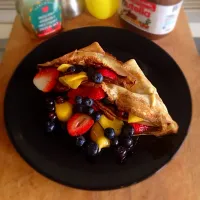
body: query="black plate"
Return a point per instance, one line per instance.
(55, 157)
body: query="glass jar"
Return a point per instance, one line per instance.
(150, 18)
(41, 17)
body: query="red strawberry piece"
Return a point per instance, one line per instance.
(79, 124)
(96, 93)
(140, 128)
(108, 73)
(86, 91)
(45, 80)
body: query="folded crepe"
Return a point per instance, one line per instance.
(132, 92)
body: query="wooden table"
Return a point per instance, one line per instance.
(179, 180)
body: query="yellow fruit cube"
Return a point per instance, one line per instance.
(96, 132)
(63, 67)
(134, 119)
(103, 142)
(73, 80)
(116, 124)
(64, 111)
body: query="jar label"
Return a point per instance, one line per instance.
(150, 17)
(46, 17)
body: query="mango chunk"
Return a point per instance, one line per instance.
(116, 124)
(134, 119)
(64, 111)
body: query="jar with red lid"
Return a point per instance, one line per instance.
(151, 18)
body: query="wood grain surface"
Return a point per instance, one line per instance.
(178, 180)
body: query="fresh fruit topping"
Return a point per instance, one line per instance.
(96, 116)
(103, 142)
(127, 130)
(85, 91)
(46, 79)
(121, 153)
(51, 108)
(127, 141)
(97, 78)
(90, 111)
(59, 87)
(97, 136)
(88, 102)
(49, 101)
(140, 128)
(79, 108)
(78, 100)
(50, 126)
(96, 132)
(79, 124)
(71, 69)
(60, 99)
(96, 93)
(80, 141)
(64, 111)
(52, 116)
(108, 73)
(73, 80)
(63, 67)
(92, 149)
(134, 119)
(109, 133)
(115, 141)
(115, 124)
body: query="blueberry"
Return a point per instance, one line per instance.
(49, 101)
(79, 68)
(115, 142)
(90, 72)
(92, 149)
(52, 116)
(71, 69)
(79, 108)
(60, 99)
(51, 108)
(97, 78)
(50, 126)
(128, 130)
(127, 142)
(96, 116)
(80, 141)
(109, 133)
(90, 111)
(121, 152)
(78, 100)
(88, 102)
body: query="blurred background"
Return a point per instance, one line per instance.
(8, 13)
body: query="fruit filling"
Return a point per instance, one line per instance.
(79, 101)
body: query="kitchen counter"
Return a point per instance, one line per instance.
(179, 179)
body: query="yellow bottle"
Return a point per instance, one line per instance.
(102, 9)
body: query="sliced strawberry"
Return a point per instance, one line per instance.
(79, 124)
(86, 91)
(140, 128)
(96, 93)
(108, 73)
(45, 80)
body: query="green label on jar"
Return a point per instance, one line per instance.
(45, 17)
